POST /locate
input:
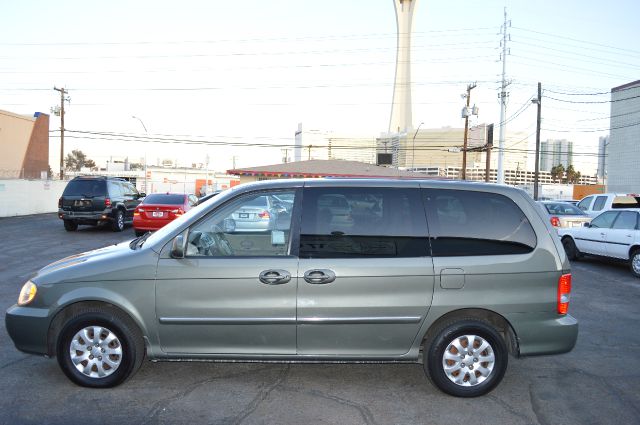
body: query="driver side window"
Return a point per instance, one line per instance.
(257, 224)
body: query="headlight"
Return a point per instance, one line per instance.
(27, 293)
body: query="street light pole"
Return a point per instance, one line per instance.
(62, 91)
(537, 101)
(413, 148)
(145, 154)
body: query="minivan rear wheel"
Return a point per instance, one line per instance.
(99, 348)
(466, 358)
(70, 225)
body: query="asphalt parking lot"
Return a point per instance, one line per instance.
(597, 383)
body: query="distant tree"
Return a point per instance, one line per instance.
(76, 160)
(573, 176)
(557, 172)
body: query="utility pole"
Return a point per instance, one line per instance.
(62, 99)
(503, 100)
(538, 101)
(466, 130)
(309, 152)
(487, 172)
(413, 149)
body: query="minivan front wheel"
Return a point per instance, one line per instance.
(99, 348)
(466, 358)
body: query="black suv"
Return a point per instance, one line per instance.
(95, 200)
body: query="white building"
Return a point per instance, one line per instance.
(555, 152)
(622, 164)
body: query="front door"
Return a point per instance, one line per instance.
(365, 279)
(235, 291)
(622, 234)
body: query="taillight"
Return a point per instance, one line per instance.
(264, 214)
(555, 221)
(178, 211)
(136, 212)
(107, 202)
(60, 203)
(564, 293)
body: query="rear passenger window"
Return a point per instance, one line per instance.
(362, 223)
(599, 203)
(626, 220)
(476, 223)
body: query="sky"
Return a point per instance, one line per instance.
(230, 81)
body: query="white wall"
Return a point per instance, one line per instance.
(24, 197)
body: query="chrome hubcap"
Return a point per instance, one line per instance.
(468, 360)
(635, 263)
(120, 221)
(95, 351)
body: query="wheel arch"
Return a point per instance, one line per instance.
(69, 310)
(633, 249)
(498, 321)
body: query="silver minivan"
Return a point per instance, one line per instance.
(454, 275)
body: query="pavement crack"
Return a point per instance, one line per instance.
(536, 407)
(363, 410)
(11, 363)
(161, 405)
(262, 396)
(510, 409)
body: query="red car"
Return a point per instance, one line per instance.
(158, 209)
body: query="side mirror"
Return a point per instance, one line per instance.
(141, 195)
(179, 246)
(586, 224)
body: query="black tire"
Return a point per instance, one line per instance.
(634, 262)
(140, 232)
(117, 225)
(128, 341)
(70, 225)
(573, 253)
(487, 374)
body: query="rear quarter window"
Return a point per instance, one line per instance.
(465, 223)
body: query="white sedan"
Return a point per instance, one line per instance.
(613, 234)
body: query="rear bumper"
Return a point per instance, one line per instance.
(28, 328)
(149, 224)
(544, 333)
(85, 216)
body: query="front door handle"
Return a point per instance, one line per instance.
(275, 277)
(319, 276)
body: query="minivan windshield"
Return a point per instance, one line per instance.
(86, 188)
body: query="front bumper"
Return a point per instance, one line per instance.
(28, 327)
(544, 333)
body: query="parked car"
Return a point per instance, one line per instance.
(595, 204)
(96, 200)
(563, 214)
(457, 288)
(158, 209)
(258, 215)
(613, 234)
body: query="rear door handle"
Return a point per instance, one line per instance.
(274, 277)
(319, 276)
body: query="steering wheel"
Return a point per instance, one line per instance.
(222, 245)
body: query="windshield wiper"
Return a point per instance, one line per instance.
(139, 241)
